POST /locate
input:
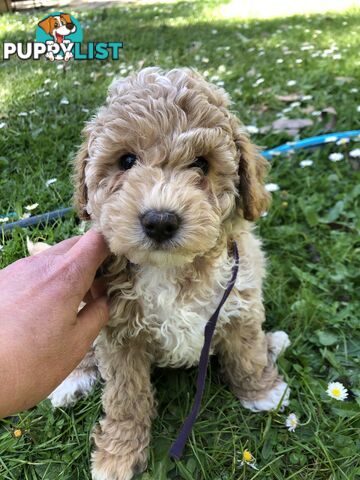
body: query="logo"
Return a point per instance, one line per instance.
(59, 36)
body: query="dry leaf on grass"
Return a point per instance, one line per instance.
(292, 97)
(329, 114)
(343, 80)
(291, 126)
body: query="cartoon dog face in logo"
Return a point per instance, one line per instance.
(58, 26)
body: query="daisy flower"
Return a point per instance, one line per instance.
(355, 153)
(252, 129)
(272, 187)
(306, 163)
(2, 124)
(248, 459)
(31, 207)
(17, 433)
(50, 181)
(64, 101)
(330, 139)
(358, 108)
(291, 83)
(337, 390)
(291, 422)
(25, 215)
(336, 157)
(343, 141)
(4, 219)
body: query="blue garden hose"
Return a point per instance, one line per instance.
(45, 218)
(310, 142)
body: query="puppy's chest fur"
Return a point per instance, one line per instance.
(175, 319)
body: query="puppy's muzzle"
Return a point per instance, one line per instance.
(160, 225)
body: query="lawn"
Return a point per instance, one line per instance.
(311, 232)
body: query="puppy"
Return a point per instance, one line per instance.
(167, 173)
(58, 27)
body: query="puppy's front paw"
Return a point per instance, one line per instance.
(106, 466)
(270, 400)
(278, 342)
(119, 452)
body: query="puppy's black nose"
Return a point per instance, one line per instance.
(70, 26)
(160, 225)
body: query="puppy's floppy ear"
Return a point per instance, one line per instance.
(66, 17)
(47, 24)
(253, 167)
(80, 194)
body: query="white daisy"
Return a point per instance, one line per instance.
(2, 125)
(291, 83)
(355, 153)
(258, 82)
(336, 157)
(47, 81)
(272, 187)
(76, 83)
(4, 219)
(354, 90)
(337, 390)
(22, 114)
(64, 101)
(280, 60)
(306, 163)
(330, 139)
(291, 422)
(252, 129)
(25, 215)
(50, 181)
(343, 141)
(358, 108)
(298, 60)
(31, 207)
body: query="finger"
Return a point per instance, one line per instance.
(61, 247)
(92, 318)
(98, 288)
(89, 252)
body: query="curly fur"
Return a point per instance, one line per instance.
(161, 298)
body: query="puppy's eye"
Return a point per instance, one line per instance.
(202, 163)
(127, 161)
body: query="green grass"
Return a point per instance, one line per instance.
(310, 234)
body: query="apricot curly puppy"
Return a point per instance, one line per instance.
(167, 173)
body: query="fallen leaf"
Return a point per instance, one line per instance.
(308, 109)
(291, 126)
(329, 114)
(292, 97)
(343, 80)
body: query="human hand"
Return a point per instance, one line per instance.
(43, 337)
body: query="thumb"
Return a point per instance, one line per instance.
(92, 318)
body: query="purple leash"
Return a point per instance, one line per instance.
(177, 447)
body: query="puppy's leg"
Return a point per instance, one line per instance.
(247, 358)
(121, 438)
